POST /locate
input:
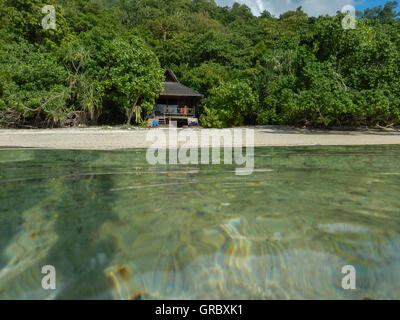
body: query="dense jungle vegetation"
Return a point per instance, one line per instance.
(104, 62)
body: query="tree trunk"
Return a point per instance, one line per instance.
(129, 113)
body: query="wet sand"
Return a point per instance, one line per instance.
(116, 138)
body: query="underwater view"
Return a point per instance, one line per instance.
(115, 227)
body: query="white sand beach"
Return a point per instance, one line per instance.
(116, 138)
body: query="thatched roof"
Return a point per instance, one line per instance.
(178, 89)
(170, 76)
(172, 87)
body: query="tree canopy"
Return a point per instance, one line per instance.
(104, 62)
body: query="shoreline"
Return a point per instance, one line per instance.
(100, 138)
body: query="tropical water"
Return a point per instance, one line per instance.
(115, 227)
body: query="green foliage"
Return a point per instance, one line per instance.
(385, 14)
(229, 104)
(33, 85)
(83, 83)
(339, 78)
(132, 77)
(23, 18)
(103, 67)
(205, 77)
(104, 62)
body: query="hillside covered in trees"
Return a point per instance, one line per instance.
(104, 62)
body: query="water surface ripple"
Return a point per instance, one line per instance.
(116, 227)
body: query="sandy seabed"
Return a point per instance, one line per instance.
(96, 138)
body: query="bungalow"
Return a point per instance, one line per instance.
(176, 103)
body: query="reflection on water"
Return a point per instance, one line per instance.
(115, 227)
